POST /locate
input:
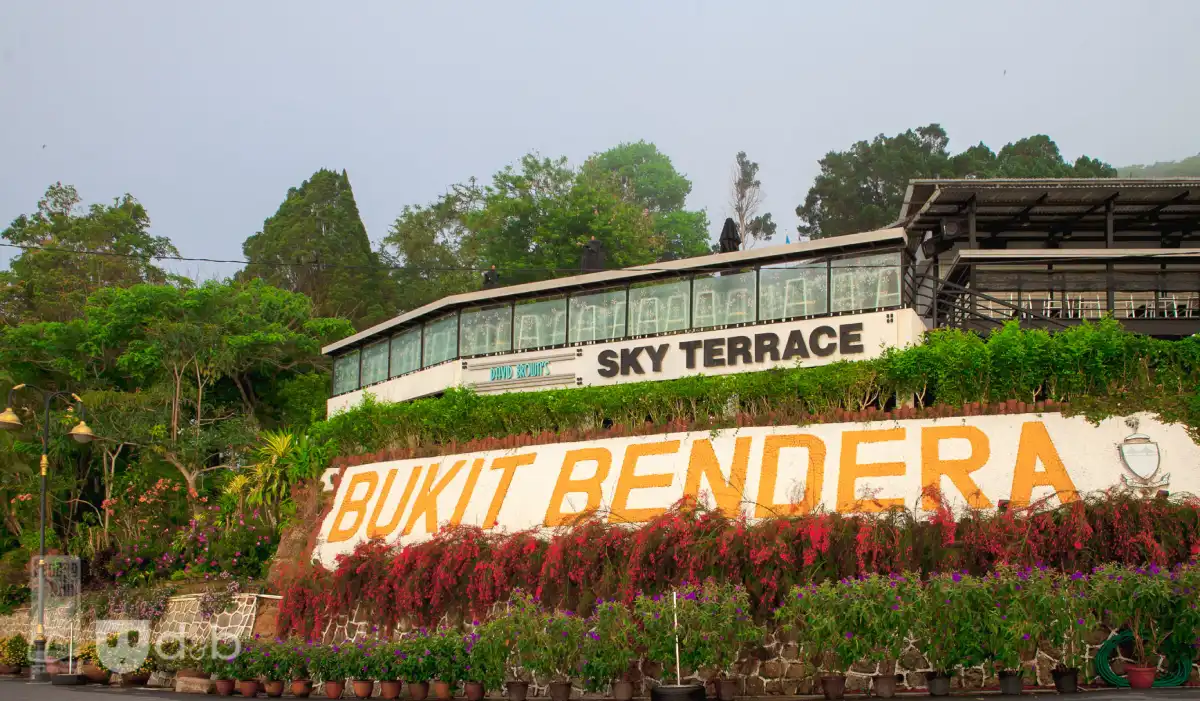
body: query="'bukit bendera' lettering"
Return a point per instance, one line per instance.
(758, 471)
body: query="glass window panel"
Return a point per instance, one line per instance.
(722, 298)
(659, 307)
(486, 330)
(792, 290)
(375, 363)
(406, 352)
(598, 316)
(345, 373)
(441, 340)
(866, 282)
(540, 322)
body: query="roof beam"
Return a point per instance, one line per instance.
(1091, 210)
(1156, 209)
(1022, 216)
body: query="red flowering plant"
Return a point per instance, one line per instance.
(584, 561)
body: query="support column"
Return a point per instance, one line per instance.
(1109, 282)
(973, 244)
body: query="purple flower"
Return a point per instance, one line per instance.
(849, 635)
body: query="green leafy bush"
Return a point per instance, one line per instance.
(952, 621)
(715, 627)
(556, 652)
(486, 657)
(449, 657)
(610, 646)
(826, 619)
(14, 651)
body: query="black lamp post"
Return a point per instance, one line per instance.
(82, 434)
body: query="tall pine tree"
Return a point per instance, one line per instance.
(316, 244)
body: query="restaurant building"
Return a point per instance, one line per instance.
(963, 253)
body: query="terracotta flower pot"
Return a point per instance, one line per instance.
(1140, 677)
(224, 687)
(95, 673)
(189, 673)
(883, 686)
(441, 690)
(726, 689)
(622, 691)
(517, 691)
(474, 691)
(333, 690)
(248, 687)
(274, 689)
(1066, 681)
(389, 690)
(301, 688)
(139, 679)
(363, 688)
(418, 691)
(834, 686)
(9, 669)
(560, 691)
(675, 692)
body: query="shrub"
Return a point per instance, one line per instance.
(1015, 626)
(448, 654)
(328, 664)
(1156, 604)
(714, 626)
(14, 651)
(384, 663)
(556, 652)
(486, 656)
(952, 620)
(416, 658)
(826, 618)
(881, 614)
(610, 646)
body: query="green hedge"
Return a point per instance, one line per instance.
(1100, 369)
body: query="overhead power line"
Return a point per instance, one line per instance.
(283, 264)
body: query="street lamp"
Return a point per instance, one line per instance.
(9, 421)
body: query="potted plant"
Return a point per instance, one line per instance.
(383, 665)
(518, 626)
(1064, 607)
(328, 665)
(825, 619)
(275, 668)
(218, 664)
(947, 622)
(14, 654)
(1142, 601)
(295, 658)
(57, 658)
(1011, 603)
(246, 668)
(656, 615)
(416, 663)
(89, 664)
(357, 658)
(609, 650)
(557, 653)
(447, 658)
(881, 611)
(486, 658)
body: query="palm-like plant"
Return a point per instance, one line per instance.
(280, 460)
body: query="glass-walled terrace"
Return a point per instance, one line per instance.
(770, 293)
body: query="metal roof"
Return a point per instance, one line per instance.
(758, 256)
(1062, 204)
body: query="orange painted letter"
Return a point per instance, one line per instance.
(703, 462)
(1036, 444)
(629, 481)
(509, 465)
(933, 467)
(851, 470)
(374, 530)
(426, 502)
(468, 490)
(351, 505)
(766, 506)
(588, 485)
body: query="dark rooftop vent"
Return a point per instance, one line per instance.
(593, 256)
(730, 240)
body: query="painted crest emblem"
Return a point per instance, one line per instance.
(1142, 458)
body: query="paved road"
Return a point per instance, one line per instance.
(11, 690)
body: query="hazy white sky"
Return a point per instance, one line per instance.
(208, 112)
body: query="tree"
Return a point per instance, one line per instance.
(426, 245)
(862, 188)
(1186, 168)
(316, 244)
(641, 174)
(52, 280)
(746, 201)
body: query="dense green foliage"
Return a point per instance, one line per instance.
(862, 188)
(1186, 168)
(1099, 368)
(316, 245)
